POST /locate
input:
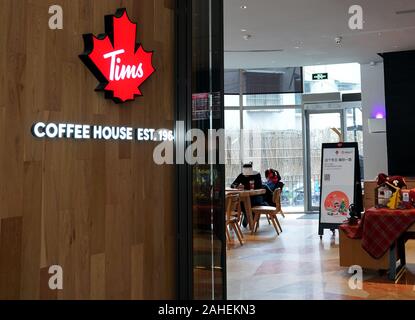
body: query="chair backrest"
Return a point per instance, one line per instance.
(276, 198)
(232, 204)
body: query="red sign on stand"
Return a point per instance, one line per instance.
(117, 61)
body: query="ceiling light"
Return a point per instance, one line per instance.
(244, 7)
(405, 11)
(243, 30)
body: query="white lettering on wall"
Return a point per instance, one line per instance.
(38, 130)
(97, 132)
(120, 71)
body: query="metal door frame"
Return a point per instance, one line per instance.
(185, 79)
(307, 111)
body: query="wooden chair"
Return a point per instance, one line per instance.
(233, 216)
(269, 212)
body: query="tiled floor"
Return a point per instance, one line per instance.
(298, 265)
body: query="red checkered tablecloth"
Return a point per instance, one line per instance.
(380, 228)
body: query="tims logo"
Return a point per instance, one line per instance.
(120, 65)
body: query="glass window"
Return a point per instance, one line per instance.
(208, 220)
(320, 126)
(231, 100)
(341, 78)
(271, 139)
(263, 100)
(354, 132)
(232, 145)
(264, 80)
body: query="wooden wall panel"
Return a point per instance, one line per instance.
(31, 229)
(10, 252)
(103, 211)
(97, 290)
(137, 272)
(45, 292)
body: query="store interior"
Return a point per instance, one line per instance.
(296, 78)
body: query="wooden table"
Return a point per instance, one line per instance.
(397, 250)
(381, 227)
(245, 196)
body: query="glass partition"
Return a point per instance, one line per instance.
(320, 131)
(273, 139)
(209, 243)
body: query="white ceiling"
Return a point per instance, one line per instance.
(311, 26)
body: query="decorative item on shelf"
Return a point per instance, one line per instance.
(354, 215)
(406, 202)
(397, 181)
(388, 191)
(383, 193)
(395, 200)
(412, 197)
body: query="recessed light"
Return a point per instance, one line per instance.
(297, 47)
(244, 7)
(243, 30)
(405, 11)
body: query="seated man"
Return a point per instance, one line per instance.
(273, 182)
(249, 180)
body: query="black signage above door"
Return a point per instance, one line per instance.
(320, 76)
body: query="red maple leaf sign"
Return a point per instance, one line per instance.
(120, 65)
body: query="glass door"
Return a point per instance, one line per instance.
(200, 187)
(320, 125)
(208, 218)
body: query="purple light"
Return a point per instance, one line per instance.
(378, 111)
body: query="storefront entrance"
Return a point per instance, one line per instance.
(319, 129)
(326, 123)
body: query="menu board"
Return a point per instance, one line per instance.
(340, 178)
(206, 105)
